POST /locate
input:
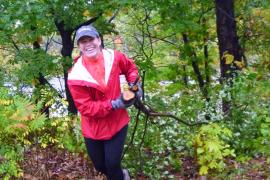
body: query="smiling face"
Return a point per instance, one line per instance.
(89, 46)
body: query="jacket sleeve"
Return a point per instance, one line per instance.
(127, 67)
(86, 105)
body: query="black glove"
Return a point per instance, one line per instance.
(137, 89)
(120, 103)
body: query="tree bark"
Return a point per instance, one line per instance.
(66, 52)
(42, 82)
(228, 42)
(206, 64)
(227, 36)
(185, 78)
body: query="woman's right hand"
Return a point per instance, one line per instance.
(121, 103)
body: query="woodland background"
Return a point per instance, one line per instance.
(205, 69)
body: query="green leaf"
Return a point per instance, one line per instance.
(267, 119)
(203, 170)
(213, 146)
(200, 150)
(265, 132)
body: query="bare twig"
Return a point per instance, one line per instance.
(133, 134)
(114, 15)
(49, 40)
(176, 118)
(57, 42)
(90, 21)
(142, 141)
(15, 45)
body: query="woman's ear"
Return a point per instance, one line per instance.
(99, 41)
(79, 47)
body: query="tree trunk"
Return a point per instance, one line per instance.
(206, 64)
(42, 82)
(185, 78)
(205, 52)
(66, 51)
(228, 42)
(196, 69)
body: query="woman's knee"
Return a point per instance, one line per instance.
(100, 167)
(112, 165)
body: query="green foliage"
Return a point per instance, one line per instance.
(64, 133)
(24, 21)
(31, 63)
(211, 147)
(245, 132)
(19, 117)
(162, 147)
(22, 126)
(154, 37)
(250, 113)
(9, 166)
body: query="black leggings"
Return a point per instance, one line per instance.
(106, 154)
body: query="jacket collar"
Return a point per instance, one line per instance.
(79, 73)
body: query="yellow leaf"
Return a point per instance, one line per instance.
(54, 123)
(20, 174)
(65, 124)
(228, 58)
(109, 13)
(15, 116)
(239, 64)
(125, 10)
(26, 142)
(43, 145)
(39, 39)
(64, 101)
(35, 82)
(198, 141)
(5, 102)
(86, 13)
(18, 126)
(25, 133)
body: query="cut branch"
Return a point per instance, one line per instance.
(148, 111)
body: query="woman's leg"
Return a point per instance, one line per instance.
(113, 154)
(95, 149)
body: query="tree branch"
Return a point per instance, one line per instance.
(114, 15)
(15, 45)
(49, 40)
(90, 21)
(196, 69)
(133, 133)
(148, 111)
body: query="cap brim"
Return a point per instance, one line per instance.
(89, 34)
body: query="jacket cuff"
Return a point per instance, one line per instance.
(109, 105)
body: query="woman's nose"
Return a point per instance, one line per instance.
(88, 42)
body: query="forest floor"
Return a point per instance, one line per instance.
(49, 163)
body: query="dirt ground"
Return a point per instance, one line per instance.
(49, 163)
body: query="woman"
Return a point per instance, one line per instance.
(95, 87)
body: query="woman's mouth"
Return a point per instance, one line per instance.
(89, 50)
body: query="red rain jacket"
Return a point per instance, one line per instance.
(98, 120)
